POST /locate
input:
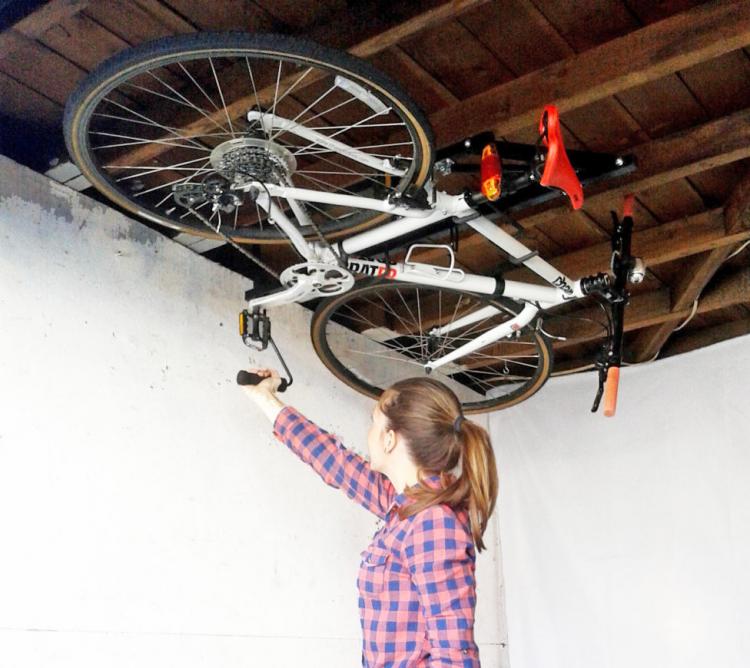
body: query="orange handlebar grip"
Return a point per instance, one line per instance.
(610, 391)
(627, 206)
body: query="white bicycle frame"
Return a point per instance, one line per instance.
(536, 297)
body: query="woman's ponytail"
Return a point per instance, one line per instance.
(441, 440)
(479, 476)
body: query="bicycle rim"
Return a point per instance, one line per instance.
(379, 333)
(174, 113)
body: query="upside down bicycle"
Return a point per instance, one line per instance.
(266, 139)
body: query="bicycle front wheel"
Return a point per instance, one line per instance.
(379, 333)
(206, 113)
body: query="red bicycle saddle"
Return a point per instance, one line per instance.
(558, 172)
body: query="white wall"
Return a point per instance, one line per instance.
(147, 517)
(626, 541)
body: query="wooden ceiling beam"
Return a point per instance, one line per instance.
(655, 245)
(404, 21)
(696, 277)
(364, 38)
(707, 336)
(644, 310)
(661, 161)
(45, 17)
(655, 308)
(644, 55)
(421, 77)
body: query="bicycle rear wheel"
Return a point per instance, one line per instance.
(214, 111)
(378, 333)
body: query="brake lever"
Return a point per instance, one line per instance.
(600, 391)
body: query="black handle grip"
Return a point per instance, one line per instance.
(248, 378)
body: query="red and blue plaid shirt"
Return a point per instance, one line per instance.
(417, 591)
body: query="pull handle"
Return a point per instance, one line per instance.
(249, 378)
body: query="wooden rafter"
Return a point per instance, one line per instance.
(707, 336)
(653, 309)
(697, 276)
(407, 23)
(49, 15)
(661, 161)
(659, 49)
(670, 241)
(418, 74)
(364, 39)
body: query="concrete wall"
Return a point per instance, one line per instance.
(147, 516)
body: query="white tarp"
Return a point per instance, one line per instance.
(626, 541)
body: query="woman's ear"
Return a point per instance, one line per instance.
(390, 441)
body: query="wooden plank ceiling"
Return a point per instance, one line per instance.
(668, 81)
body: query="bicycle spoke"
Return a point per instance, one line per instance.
(221, 96)
(352, 172)
(155, 120)
(162, 169)
(195, 208)
(200, 88)
(330, 109)
(304, 111)
(351, 126)
(136, 121)
(400, 360)
(179, 164)
(292, 87)
(481, 375)
(187, 102)
(356, 126)
(317, 171)
(257, 99)
(141, 142)
(166, 128)
(163, 185)
(276, 92)
(326, 186)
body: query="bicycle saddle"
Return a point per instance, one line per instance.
(558, 172)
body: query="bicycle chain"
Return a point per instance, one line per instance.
(327, 244)
(234, 244)
(257, 260)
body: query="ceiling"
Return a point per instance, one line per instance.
(668, 82)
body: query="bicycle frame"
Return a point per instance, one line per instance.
(561, 289)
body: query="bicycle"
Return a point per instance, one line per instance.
(265, 113)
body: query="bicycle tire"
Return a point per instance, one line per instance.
(125, 68)
(332, 310)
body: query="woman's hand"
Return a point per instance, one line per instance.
(269, 384)
(264, 393)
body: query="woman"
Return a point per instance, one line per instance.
(417, 591)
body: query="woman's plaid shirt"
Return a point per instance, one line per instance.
(417, 591)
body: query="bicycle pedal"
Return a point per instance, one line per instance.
(255, 327)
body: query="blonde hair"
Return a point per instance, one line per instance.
(426, 414)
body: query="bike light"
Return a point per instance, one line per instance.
(491, 173)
